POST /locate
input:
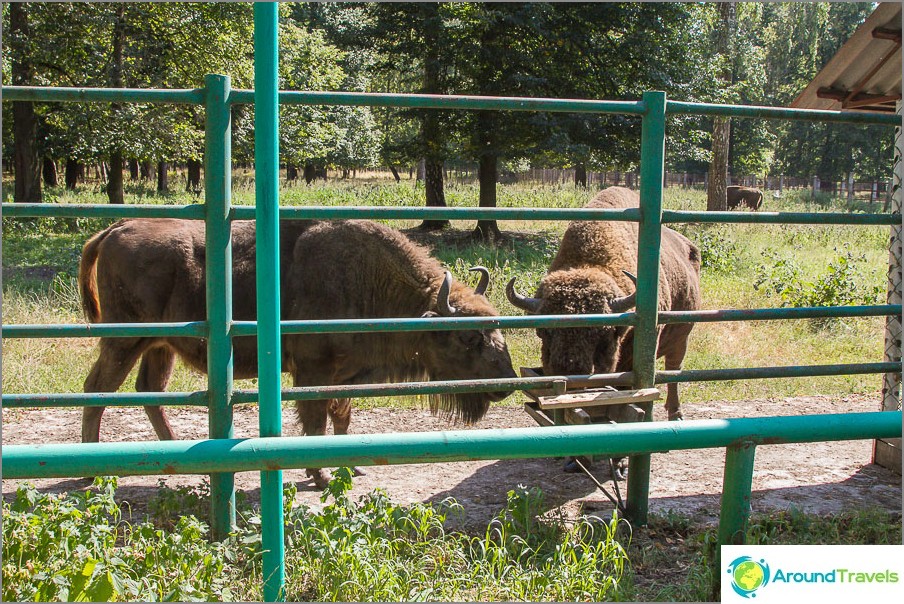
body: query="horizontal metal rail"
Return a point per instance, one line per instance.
(196, 329)
(64, 210)
(786, 113)
(197, 211)
(283, 453)
(106, 399)
(199, 329)
(759, 373)
(195, 96)
(40, 94)
(686, 216)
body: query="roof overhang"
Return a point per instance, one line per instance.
(865, 73)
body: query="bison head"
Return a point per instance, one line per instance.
(466, 354)
(577, 350)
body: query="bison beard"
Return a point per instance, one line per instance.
(152, 270)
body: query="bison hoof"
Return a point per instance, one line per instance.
(619, 468)
(676, 416)
(572, 466)
(320, 478)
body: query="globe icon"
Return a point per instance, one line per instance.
(748, 575)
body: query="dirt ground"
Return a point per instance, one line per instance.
(820, 478)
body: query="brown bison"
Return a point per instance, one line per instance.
(152, 270)
(737, 196)
(588, 276)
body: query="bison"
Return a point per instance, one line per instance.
(152, 270)
(737, 196)
(590, 275)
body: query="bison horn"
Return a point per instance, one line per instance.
(627, 302)
(442, 298)
(531, 305)
(481, 288)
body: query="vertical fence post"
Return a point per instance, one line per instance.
(266, 179)
(218, 239)
(652, 169)
(737, 482)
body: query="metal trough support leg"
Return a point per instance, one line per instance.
(736, 486)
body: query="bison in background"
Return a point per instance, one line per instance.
(737, 196)
(588, 276)
(152, 270)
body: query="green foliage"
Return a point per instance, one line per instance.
(718, 251)
(842, 283)
(75, 546)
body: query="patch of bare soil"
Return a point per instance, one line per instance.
(819, 478)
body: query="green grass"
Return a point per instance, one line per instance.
(86, 545)
(40, 260)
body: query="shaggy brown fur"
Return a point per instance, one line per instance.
(354, 269)
(737, 196)
(152, 270)
(587, 275)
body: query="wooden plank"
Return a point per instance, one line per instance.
(592, 398)
(540, 417)
(887, 453)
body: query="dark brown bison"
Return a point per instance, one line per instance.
(152, 270)
(588, 275)
(737, 196)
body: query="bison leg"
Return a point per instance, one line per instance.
(340, 411)
(674, 356)
(153, 375)
(312, 415)
(115, 361)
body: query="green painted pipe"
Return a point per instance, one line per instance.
(218, 266)
(758, 111)
(652, 171)
(431, 101)
(195, 329)
(685, 216)
(416, 213)
(737, 483)
(104, 399)
(266, 185)
(773, 314)
(241, 455)
(39, 210)
(759, 373)
(191, 96)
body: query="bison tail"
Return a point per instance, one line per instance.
(87, 277)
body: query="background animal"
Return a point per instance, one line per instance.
(150, 270)
(737, 196)
(588, 276)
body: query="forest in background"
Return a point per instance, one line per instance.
(742, 53)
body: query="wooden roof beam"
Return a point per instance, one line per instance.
(883, 33)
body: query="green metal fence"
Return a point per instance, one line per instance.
(222, 455)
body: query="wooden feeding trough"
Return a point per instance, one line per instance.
(598, 405)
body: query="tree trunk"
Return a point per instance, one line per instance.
(487, 171)
(115, 193)
(580, 176)
(74, 170)
(133, 169)
(162, 177)
(291, 172)
(193, 182)
(718, 168)
(310, 173)
(433, 183)
(145, 168)
(26, 162)
(395, 173)
(51, 179)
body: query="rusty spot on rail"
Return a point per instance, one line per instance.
(168, 469)
(381, 461)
